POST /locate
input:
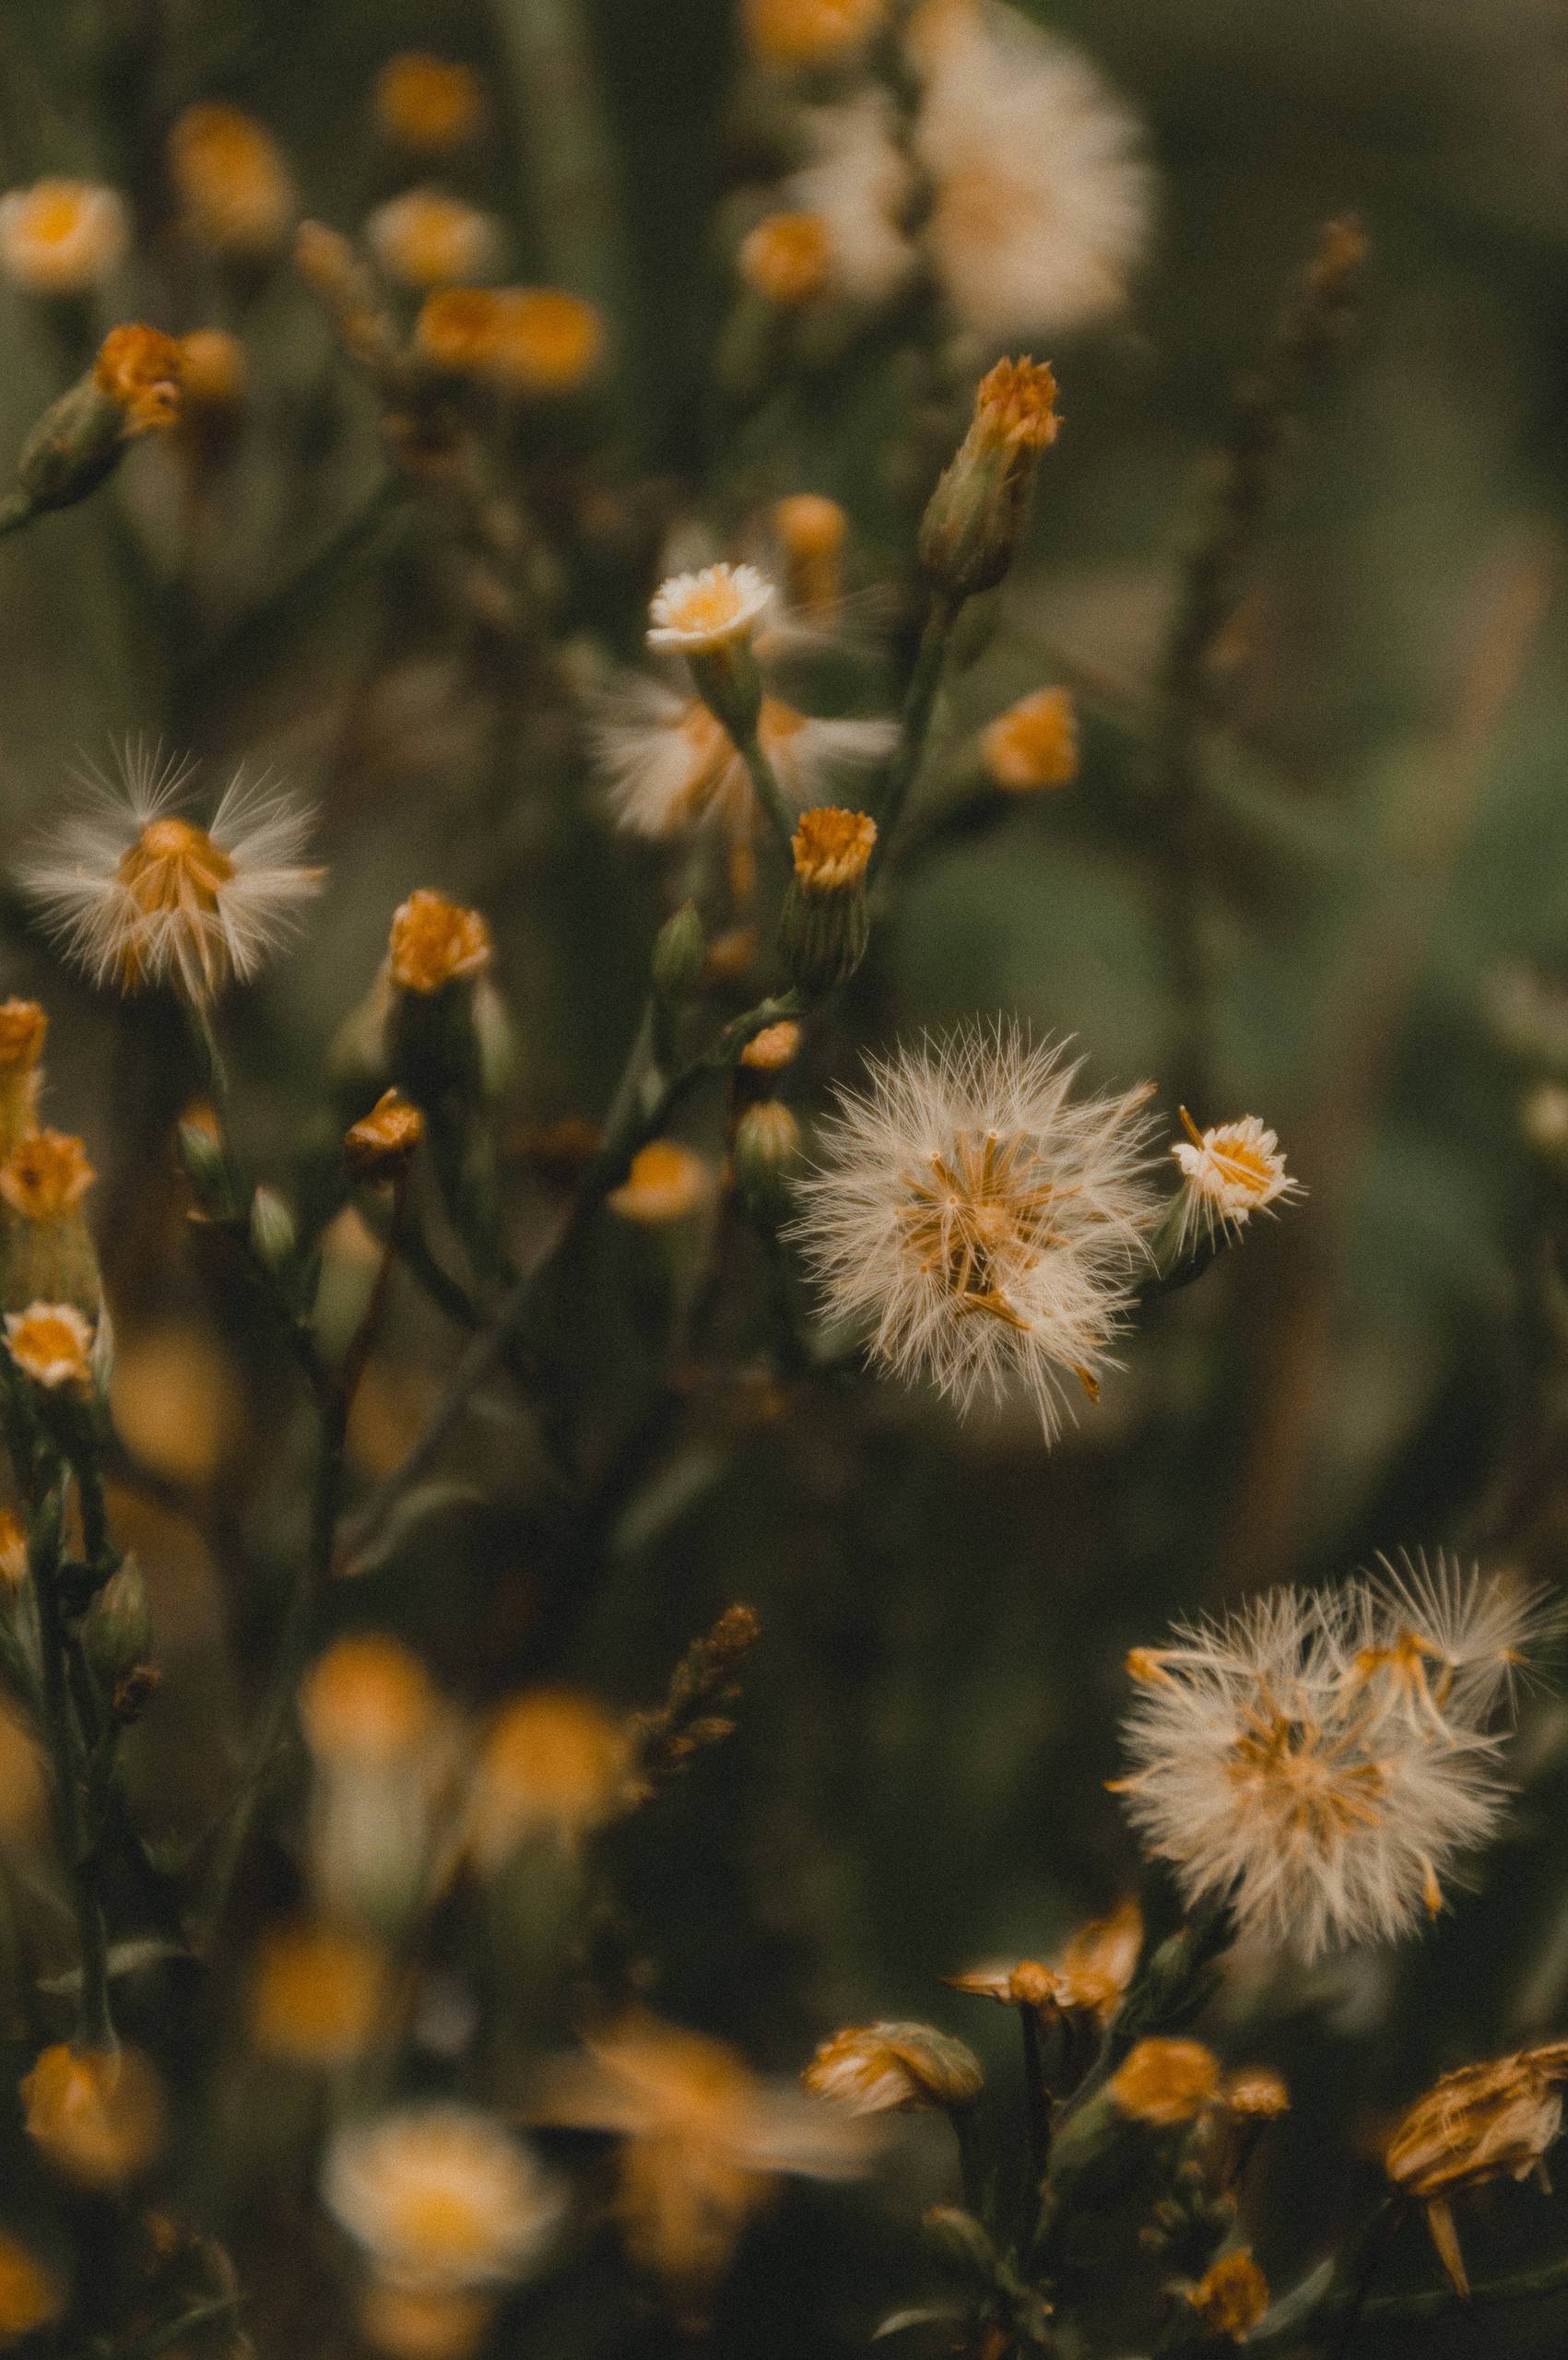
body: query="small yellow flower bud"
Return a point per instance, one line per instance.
(435, 942)
(429, 105)
(680, 954)
(885, 2068)
(1230, 2298)
(141, 371)
(976, 516)
(771, 1049)
(98, 2115)
(1257, 2094)
(787, 258)
(382, 1144)
(317, 1996)
(824, 924)
(1165, 2082)
(767, 1149)
(1034, 744)
(666, 1182)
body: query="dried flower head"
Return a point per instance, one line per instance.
(141, 371)
(435, 942)
(51, 1343)
(704, 2138)
(366, 1699)
(96, 2114)
(1040, 199)
(30, 2295)
(1034, 744)
(666, 1181)
(786, 258)
(1230, 1173)
(138, 893)
(554, 1764)
(693, 614)
(673, 767)
(426, 239)
(887, 2069)
(1319, 1760)
(832, 849)
(795, 33)
(429, 105)
(317, 1996)
(1165, 2082)
(46, 1176)
(1483, 2122)
(236, 197)
(979, 1220)
(382, 1144)
(1230, 2298)
(442, 2198)
(61, 237)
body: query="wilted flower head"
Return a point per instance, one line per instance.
(235, 193)
(887, 2069)
(430, 105)
(60, 237)
(692, 614)
(51, 1343)
(425, 238)
(1483, 2122)
(1088, 1978)
(382, 1143)
(703, 2137)
(979, 1220)
(138, 893)
(96, 2114)
(672, 766)
(442, 2198)
(1319, 1762)
(1040, 197)
(1231, 1172)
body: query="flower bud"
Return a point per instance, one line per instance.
(132, 388)
(205, 1165)
(977, 514)
(824, 924)
(680, 954)
(382, 1144)
(274, 1236)
(118, 1638)
(98, 2115)
(767, 1149)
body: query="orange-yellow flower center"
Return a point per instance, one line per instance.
(141, 371)
(786, 258)
(810, 32)
(831, 848)
(1017, 404)
(435, 942)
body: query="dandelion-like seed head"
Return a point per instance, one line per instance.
(981, 1224)
(1319, 1762)
(1231, 1173)
(429, 105)
(138, 893)
(46, 1175)
(692, 614)
(442, 2198)
(61, 237)
(51, 1343)
(672, 767)
(435, 942)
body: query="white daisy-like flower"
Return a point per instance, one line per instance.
(138, 893)
(442, 2198)
(1319, 1762)
(859, 185)
(53, 1343)
(979, 1221)
(692, 614)
(61, 237)
(671, 766)
(1232, 1172)
(1041, 196)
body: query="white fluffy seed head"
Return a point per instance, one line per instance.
(1320, 1761)
(980, 1224)
(442, 2196)
(138, 893)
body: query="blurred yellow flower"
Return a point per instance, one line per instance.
(430, 105)
(61, 237)
(96, 2114)
(235, 193)
(553, 1763)
(318, 1995)
(30, 2295)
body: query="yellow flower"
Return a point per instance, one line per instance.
(435, 942)
(213, 373)
(666, 1181)
(96, 2114)
(426, 239)
(51, 1343)
(1230, 2298)
(429, 105)
(61, 237)
(412, 2325)
(831, 848)
(176, 1398)
(1255, 2094)
(553, 1763)
(1231, 1172)
(526, 341)
(141, 371)
(382, 1143)
(1034, 744)
(793, 33)
(787, 258)
(46, 1176)
(1165, 2082)
(23, 1028)
(318, 1995)
(772, 1048)
(235, 193)
(366, 1699)
(30, 2295)
(975, 518)
(812, 531)
(1095, 1966)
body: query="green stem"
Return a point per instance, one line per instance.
(95, 2028)
(570, 167)
(920, 703)
(768, 793)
